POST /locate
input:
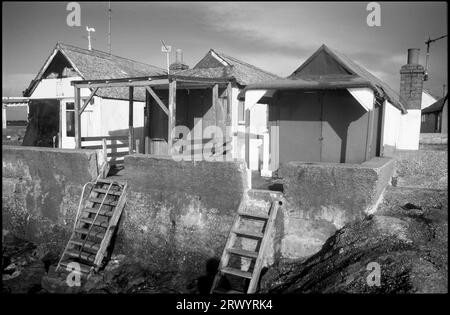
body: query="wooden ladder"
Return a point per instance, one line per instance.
(257, 256)
(95, 224)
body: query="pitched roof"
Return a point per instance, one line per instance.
(437, 106)
(330, 69)
(219, 65)
(353, 68)
(95, 64)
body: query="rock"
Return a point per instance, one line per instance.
(409, 245)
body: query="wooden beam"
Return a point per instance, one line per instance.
(370, 125)
(383, 118)
(130, 120)
(247, 137)
(172, 114)
(157, 99)
(229, 103)
(112, 83)
(88, 100)
(77, 119)
(215, 105)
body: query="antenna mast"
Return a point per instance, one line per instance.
(109, 27)
(428, 42)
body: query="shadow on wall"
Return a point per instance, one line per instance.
(43, 123)
(333, 127)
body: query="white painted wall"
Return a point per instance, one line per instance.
(57, 88)
(364, 96)
(103, 118)
(409, 133)
(392, 121)
(427, 100)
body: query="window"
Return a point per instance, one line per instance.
(70, 119)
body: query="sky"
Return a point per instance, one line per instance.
(275, 36)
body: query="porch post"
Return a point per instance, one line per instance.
(130, 120)
(369, 133)
(247, 137)
(171, 121)
(77, 119)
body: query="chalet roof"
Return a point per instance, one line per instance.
(219, 65)
(95, 64)
(437, 106)
(328, 68)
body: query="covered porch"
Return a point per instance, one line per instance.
(184, 117)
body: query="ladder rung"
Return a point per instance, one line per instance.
(87, 244)
(106, 202)
(104, 191)
(106, 213)
(109, 181)
(248, 234)
(102, 224)
(254, 215)
(243, 252)
(237, 272)
(83, 255)
(91, 233)
(83, 267)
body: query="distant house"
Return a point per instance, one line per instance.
(435, 117)
(332, 110)
(52, 97)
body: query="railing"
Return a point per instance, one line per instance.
(116, 147)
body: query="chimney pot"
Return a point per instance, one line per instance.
(413, 56)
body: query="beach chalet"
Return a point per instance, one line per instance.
(332, 110)
(105, 112)
(196, 101)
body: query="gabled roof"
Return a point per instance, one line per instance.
(95, 64)
(437, 106)
(347, 66)
(219, 65)
(330, 69)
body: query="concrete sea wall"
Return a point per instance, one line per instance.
(41, 188)
(322, 197)
(179, 214)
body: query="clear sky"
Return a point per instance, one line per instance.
(276, 36)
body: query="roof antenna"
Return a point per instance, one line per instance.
(167, 50)
(428, 42)
(89, 30)
(109, 27)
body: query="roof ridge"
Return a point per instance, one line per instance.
(106, 55)
(221, 54)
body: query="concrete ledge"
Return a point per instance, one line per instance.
(322, 197)
(218, 185)
(338, 193)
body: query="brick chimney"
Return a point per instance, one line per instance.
(411, 80)
(178, 64)
(411, 85)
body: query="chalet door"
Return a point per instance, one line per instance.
(299, 127)
(67, 124)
